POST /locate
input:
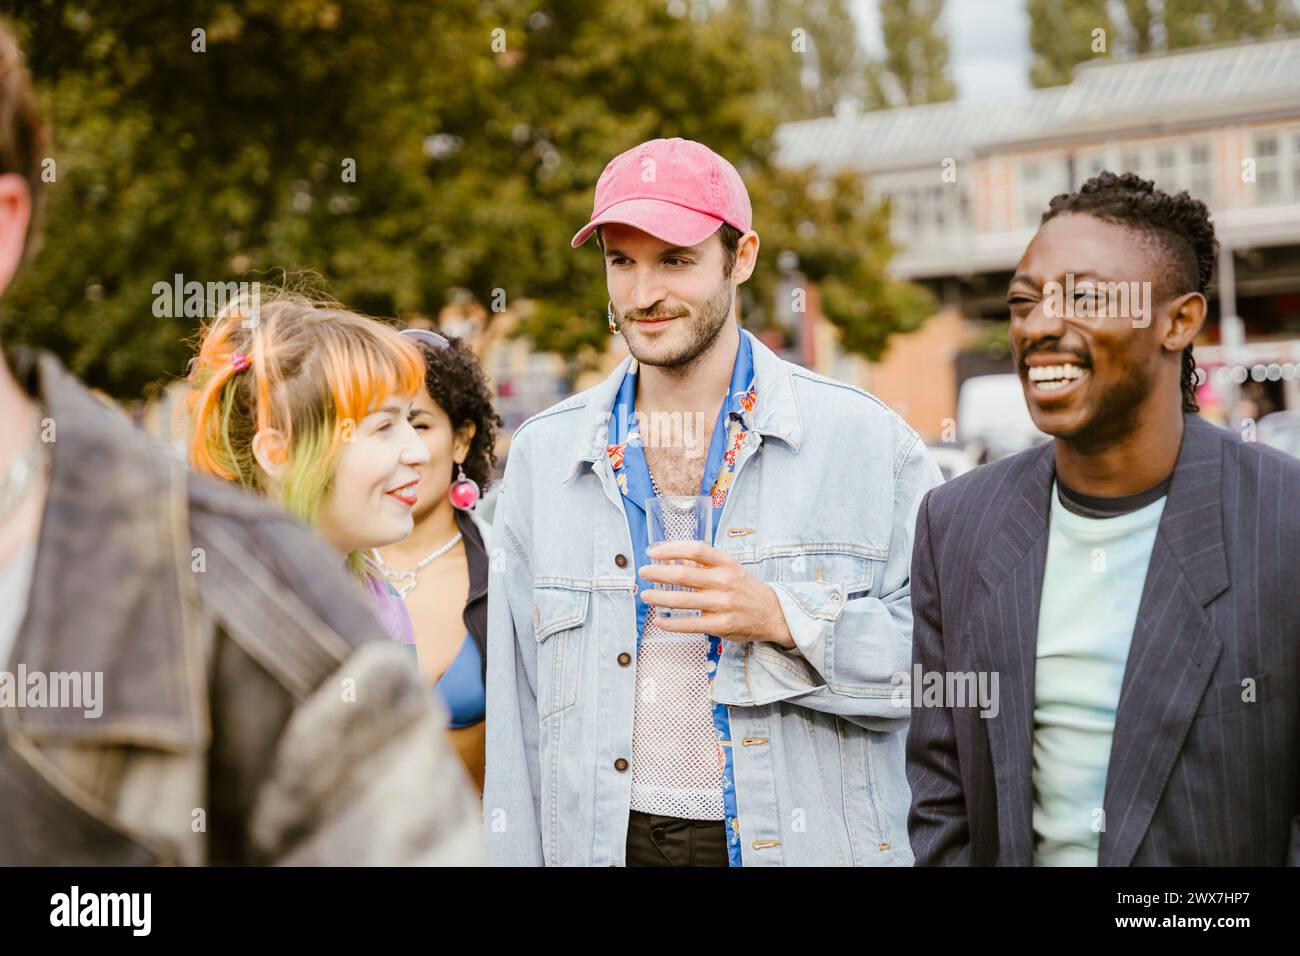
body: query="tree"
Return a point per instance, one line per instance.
(916, 56)
(215, 146)
(1141, 25)
(1189, 24)
(400, 149)
(1062, 37)
(813, 57)
(842, 245)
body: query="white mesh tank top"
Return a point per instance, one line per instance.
(677, 761)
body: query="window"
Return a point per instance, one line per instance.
(1295, 167)
(1087, 163)
(1040, 180)
(1268, 183)
(1174, 166)
(905, 222)
(1277, 167)
(925, 212)
(1199, 178)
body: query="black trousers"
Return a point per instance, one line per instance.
(671, 841)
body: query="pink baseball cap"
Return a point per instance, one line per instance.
(677, 190)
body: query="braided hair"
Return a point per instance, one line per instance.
(1179, 227)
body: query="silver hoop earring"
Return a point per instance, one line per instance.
(609, 317)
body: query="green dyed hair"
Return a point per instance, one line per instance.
(309, 370)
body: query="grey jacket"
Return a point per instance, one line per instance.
(252, 709)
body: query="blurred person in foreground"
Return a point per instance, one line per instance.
(247, 707)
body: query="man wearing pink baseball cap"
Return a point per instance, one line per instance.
(737, 701)
(674, 189)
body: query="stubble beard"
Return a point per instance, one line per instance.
(1119, 413)
(703, 330)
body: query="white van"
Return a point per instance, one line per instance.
(992, 415)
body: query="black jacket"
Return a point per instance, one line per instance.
(476, 604)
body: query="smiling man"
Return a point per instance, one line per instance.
(1131, 583)
(762, 731)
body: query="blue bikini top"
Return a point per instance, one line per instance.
(461, 687)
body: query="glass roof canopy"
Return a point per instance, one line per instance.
(1105, 97)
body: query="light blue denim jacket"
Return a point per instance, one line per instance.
(822, 507)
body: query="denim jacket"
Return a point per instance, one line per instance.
(822, 507)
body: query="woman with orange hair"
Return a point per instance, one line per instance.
(308, 404)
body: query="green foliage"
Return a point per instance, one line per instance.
(475, 154)
(843, 246)
(1216, 21)
(830, 67)
(1061, 34)
(916, 48)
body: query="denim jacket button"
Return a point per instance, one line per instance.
(620, 560)
(624, 659)
(620, 764)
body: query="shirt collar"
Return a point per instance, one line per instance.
(776, 414)
(742, 375)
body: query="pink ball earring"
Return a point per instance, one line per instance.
(464, 492)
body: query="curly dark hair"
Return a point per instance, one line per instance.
(455, 381)
(1178, 227)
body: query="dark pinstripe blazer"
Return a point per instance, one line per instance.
(1197, 776)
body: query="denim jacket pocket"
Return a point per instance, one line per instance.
(853, 568)
(558, 617)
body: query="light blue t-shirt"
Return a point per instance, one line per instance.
(1092, 585)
